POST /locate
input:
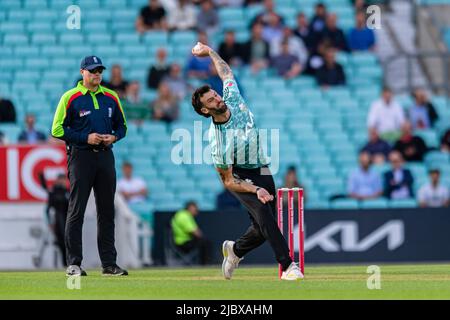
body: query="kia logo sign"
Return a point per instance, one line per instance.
(20, 167)
(349, 241)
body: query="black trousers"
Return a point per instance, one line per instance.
(60, 226)
(91, 170)
(204, 249)
(264, 225)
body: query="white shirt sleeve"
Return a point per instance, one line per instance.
(299, 50)
(446, 194)
(373, 114)
(141, 184)
(421, 195)
(400, 114)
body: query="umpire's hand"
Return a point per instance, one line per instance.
(94, 138)
(108, 139)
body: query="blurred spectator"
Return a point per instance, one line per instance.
(335, 34)
(273, 31)
(116, 81)
(151, 17)
(7, 111)
(422, 113)
(198, 67)
(398, 182)
(133, 189)
(445, 142)
(317, 24)
(265, 16)
(364, 183)
(132, 95)
(229, 3)
(377, 148)
(411, 147)
(386, 116)
(165, 107)
(317, 57)
(251, 2)
(230, 50)
(359, 5)
(56, 210)
(434, 194)
(176, 82)
(302, 30)
(286, 64)
(256, 50)
(361, 38)
(2, 138)
(291, 179)
(133, 104)
(183, 16)
(226, 200)
(331, 73)
(295, 44)
(207, 18)
(30, 135)
(158, 70)
(187, 236)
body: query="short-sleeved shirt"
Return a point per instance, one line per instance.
(283, 63)
(183, 225)
(134, 184)
(237, 142)
(151, 16)
(433, 197)
(364, 183)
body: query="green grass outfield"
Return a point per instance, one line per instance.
(324, 282)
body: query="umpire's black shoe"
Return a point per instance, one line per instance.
(74, 270)
(114, 270)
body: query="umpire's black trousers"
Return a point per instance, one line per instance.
(91, 169)
(264, 226)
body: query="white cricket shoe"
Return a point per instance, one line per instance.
(230, 259)
(292, 273)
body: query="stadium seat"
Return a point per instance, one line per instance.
(20, 15)
(12, 27)
(156, 39)
(344, 204)
(127, 38)
(429, 136)
(15, 39)
(26, 51)
(403, 203)
(374, 204)
(43, 39)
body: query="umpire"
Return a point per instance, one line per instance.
(90, 118)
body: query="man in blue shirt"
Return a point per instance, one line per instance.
(364, 183)
(361, 38)
(30, 135)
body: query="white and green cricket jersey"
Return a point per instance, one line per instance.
(236, 142)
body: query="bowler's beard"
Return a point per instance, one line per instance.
(222, 109)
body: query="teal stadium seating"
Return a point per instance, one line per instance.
(320, 131)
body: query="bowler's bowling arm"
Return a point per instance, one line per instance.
(223, 69)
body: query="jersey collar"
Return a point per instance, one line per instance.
(84, 90)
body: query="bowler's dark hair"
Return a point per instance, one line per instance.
(196, 103)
